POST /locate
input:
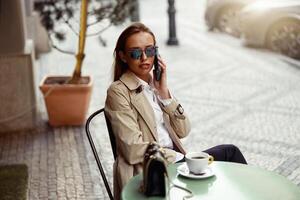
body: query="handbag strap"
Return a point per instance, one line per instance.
(190, 193)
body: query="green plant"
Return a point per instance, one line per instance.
(55, 12)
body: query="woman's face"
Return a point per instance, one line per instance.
(142, 65)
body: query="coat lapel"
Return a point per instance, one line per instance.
(144, 108)
(139, 101)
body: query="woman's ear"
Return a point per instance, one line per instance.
(122, 56)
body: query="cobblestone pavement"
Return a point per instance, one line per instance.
(232, 94)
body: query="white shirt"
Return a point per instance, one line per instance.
(163, 135)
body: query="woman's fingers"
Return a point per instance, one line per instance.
(161, 61)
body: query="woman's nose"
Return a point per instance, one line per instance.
(144, 56)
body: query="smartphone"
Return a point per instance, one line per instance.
(157, 69)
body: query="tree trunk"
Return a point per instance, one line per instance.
(81, 43)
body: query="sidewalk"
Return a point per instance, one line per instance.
(232, 94)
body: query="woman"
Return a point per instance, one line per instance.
(142, 109)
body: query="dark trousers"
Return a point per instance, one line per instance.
(226, 152)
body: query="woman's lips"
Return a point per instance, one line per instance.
(144, 66)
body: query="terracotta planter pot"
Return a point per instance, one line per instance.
(67, 104)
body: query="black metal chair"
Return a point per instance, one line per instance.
(112, 142)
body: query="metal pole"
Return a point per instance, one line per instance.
(172, 24)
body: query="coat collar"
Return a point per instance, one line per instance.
(139, 100)
(130, 80)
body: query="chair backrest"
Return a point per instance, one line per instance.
(113, 145)
(111, 136)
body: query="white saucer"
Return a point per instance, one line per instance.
(183, 170)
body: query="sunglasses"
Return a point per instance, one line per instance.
(136, 54)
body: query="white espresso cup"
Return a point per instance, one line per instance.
(197, 162)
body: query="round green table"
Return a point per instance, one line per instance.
(231, 181)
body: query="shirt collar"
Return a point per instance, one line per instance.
(146, 85)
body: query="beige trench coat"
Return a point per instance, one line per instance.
(133, 123)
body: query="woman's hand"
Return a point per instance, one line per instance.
(161, 85)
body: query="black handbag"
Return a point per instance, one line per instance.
(155, 174)
(154, 171)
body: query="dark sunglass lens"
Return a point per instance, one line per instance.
(136, 54)
(150, 51)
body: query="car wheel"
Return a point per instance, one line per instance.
(284, 37)
(227, 20)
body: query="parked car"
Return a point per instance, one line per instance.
(222, 15)
(274, 24)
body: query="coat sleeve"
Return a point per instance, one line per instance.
(178, 119)
(125, 126)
